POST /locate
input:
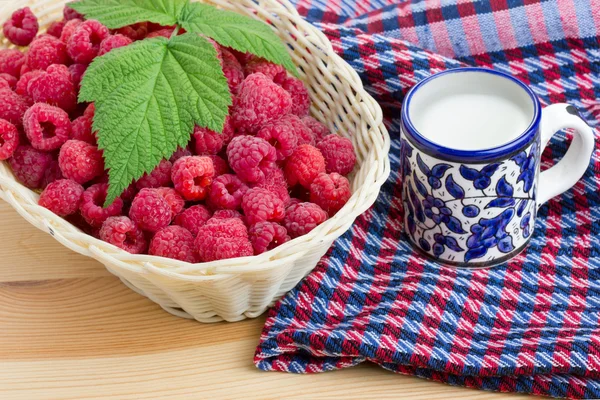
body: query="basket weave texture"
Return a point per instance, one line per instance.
(236, 289)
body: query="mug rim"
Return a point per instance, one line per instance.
(472, 156)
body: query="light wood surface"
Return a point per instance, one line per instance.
(70, 330)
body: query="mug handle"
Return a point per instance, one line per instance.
(575, 162)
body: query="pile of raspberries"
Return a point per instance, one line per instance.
(272, 175)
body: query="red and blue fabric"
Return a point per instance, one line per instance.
(531, 325)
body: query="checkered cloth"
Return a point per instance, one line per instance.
(531, 325)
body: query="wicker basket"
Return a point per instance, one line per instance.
(241, 288)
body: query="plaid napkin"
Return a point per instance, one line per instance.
(531, 325)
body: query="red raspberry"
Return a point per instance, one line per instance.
(266, 236)
(302, 218)
(71, 14)
(113, 42)
(174, 242)
(176, 202)
(300, 96)
(339, 154)
(228, 57)
(80, 161)
(54, 87)
(84, 44)
(258, 102)
(46, 51)
(46, 126)
(23, 83)
(207, 141)
(223, 239)
(29, 166)
(227, 214)
(303, 133)
(232, 69)
(193, 176)
(55, 29)
(134, 32)
(160, 176)
(92, 205)
(180, 153)
(150, 210)
(69, 29)
(275, 182)
(243, 58)
(330, 192)
(12, 107)
(193, 218)
(125, 234)
(227, 192)
(11, 81)
(280, 135)
(262, 205)
(153, 27)
(22, 27)
(77, 71)
(9, 139)
(53, 173)
(11, 62)
(220, 165)
(257, 64)
(166, 33)
(250, 157)
(81, 129)
(62, 197)
(319, 129)
(304, 166)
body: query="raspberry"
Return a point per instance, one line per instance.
(300, 96)
(24, 81)
(128, 194)
(266, 236)
(92, 205)
(22, 27)
(262, 205)
(84, 44)
(232, 69)
(220, 165)
(71, 14)
(81, 129)
(275, 182)
(11, 81)
(250, 157)
(12, 107)
(338, 153)
(153, 27)
(47, 127)
(69, 29)
(62, 197)
(150, 210)
(227, 214)
(302, 218)
(243, 58)
(45, 51)
(134, 32)
(304, 166)
(192, 177)
(11, 62)
(174, 242)
(223, 239)
(166, 33)
(319, 129)
(207, 141)
(54, 87)
(55, 29)
(52, 174)
(227, 192)
(281, 136)
(258, 102)
(9, 139)
(331, 192)
(179, 153)
(125, 234)
(160, 176)
(77, 71)
(113, 42)
(80, 161)
(257, 64)
(29, 166)
(302, 132)
(193, 218)
(176, 202)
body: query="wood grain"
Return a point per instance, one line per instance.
(70, 330)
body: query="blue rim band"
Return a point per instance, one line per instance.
(471, 156)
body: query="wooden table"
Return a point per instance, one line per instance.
(71, 330)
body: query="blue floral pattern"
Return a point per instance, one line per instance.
(469, 213)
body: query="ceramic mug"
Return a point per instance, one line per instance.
(471, 143)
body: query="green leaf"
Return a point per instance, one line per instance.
(118, 13)
(148, 97)
(236, 31)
